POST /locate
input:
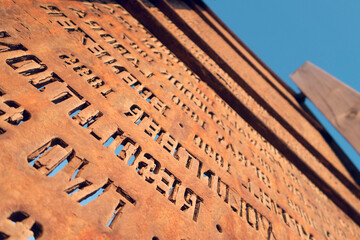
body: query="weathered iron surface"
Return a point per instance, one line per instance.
(106, 134)
(240, 69)
(261, 118)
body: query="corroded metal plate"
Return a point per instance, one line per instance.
(106, 134)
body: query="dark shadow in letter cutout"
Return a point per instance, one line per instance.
(218, 227)
(95, 194)
(7, 47)
(147, 166)
(3, 236)
(26, 65)
(116, 214)
(37, 229)
(18, 117)
(50, 158)
(15, 117)
(4, 34)
(12, 104)
(20, 216)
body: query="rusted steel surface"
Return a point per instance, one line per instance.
(239, 47)
(259, 117)
(239, 70)
(245, 105)
(107, 134)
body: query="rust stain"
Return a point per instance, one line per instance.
(107, 134)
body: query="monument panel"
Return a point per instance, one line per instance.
(109, 132)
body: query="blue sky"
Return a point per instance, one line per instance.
(285, 34)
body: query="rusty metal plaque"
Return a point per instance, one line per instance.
(105, 133)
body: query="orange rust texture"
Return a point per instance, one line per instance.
(295, 122)
(266, 118)
(106, 134)
(254, 79)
